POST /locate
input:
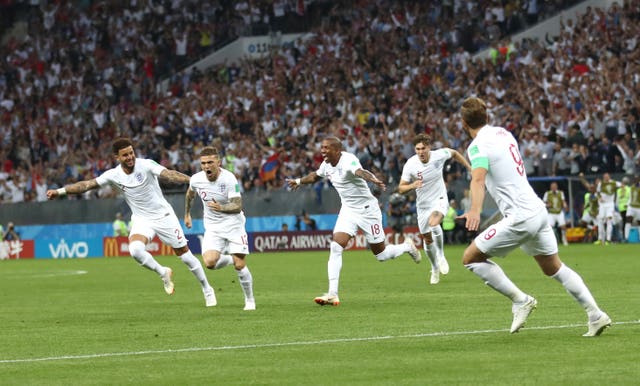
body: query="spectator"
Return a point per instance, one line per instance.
(120, 226)
(449, 225)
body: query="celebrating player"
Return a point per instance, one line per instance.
(497, 166)
(223, 220)
(360, 209)
(423, 172)
(137, 180)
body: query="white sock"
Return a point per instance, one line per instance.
(609, 229)
(196, 268)
(334, 266)
(438, 239)
(223, 261)
(574, 285)
(564, 236)
(601, 232)
(391, 251)
(246, 282)
(627, 229)
(140, 254)
(495, 278)
(431, 251)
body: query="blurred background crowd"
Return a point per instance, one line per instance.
(372, 72)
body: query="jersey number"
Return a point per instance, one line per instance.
(375, 229)
(203, 195)
(515, 154)
(490, 233)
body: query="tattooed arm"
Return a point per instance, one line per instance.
(370, 177)
(188, 200)
(174, 177)
(233, 206)
(76, 188)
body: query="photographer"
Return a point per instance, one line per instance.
(11, 233)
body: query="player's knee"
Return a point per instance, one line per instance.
(472, 255)
(336, 248)
(210, 261)
(239, 264)
(136, 248)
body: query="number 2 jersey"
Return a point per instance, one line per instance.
(224, 188)
(496, 150)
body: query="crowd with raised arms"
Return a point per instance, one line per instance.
(373, 73)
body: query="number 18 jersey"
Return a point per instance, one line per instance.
(496, 150)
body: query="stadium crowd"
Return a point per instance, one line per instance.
(373, 73)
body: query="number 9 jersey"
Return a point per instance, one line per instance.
(496, 150)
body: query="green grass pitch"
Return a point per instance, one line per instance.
(108, 321)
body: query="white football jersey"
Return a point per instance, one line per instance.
(353, 191)
(496, 150)
(221, 190)
(140, 189)
(433, 188)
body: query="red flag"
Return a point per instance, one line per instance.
(270, 167)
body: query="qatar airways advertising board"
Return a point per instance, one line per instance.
(311, 240)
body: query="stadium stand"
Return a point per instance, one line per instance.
(372, 72)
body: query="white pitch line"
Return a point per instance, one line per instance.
(285, 344)
(49, 274)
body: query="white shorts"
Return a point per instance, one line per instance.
(167, 228)
(634, 213)
(606, 211)
(557, 219)
(234, 245)
(369, 221)
(441, 206)
(533, 235)
(589, 219)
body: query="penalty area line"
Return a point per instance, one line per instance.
(286, 344)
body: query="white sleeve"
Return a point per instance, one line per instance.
(233, 187)
(105, 178)
(353, 163)
(153, 166)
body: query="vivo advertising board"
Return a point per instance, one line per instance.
(68, 248)
(119, 246)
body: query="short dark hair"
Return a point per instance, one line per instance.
(334, 141)
(422, 138)
(120, 143)
(209, 150)
(474, 112)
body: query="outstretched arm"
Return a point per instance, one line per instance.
(76, 188)
(370, 177)
(308, 179)
(460, 158)
(174, 177)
